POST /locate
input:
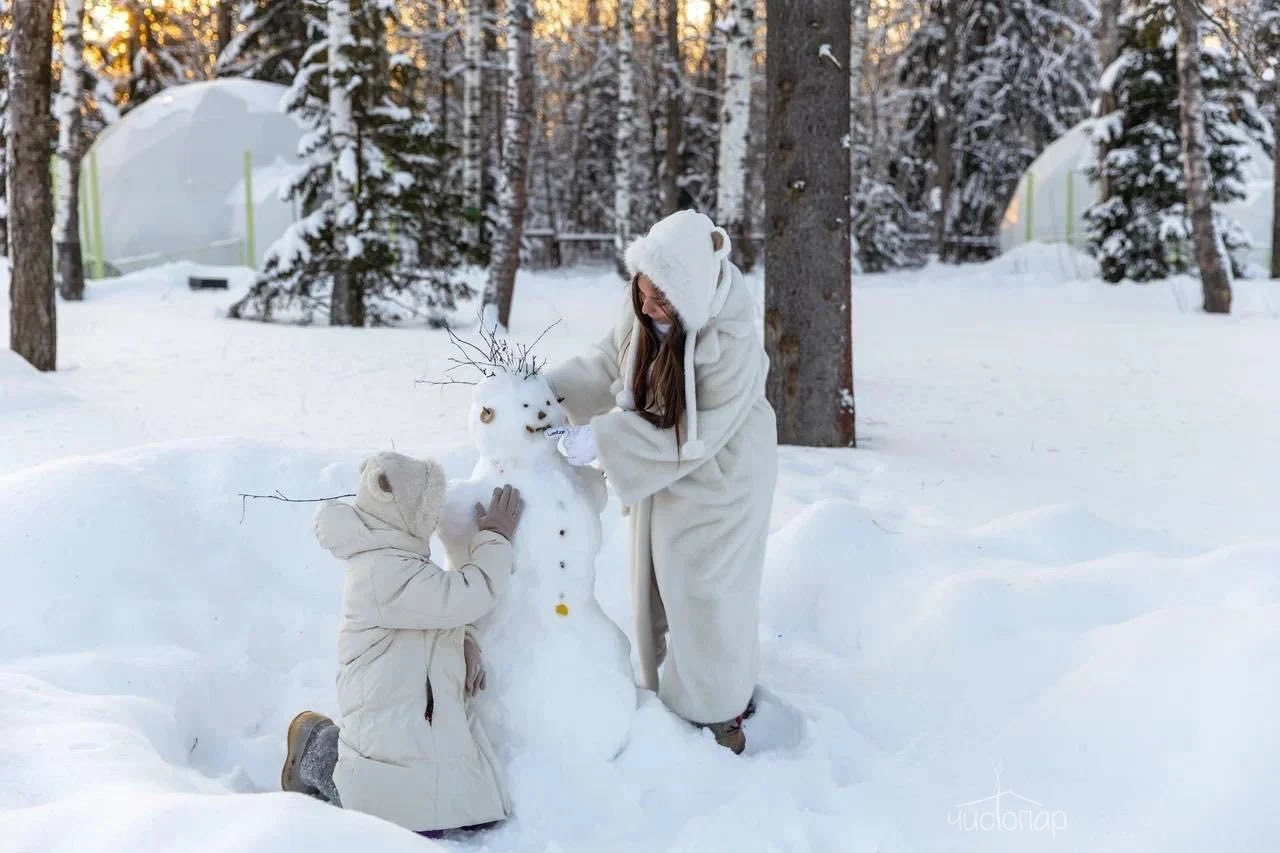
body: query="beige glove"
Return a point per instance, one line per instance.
(503, 514)
(476, 679)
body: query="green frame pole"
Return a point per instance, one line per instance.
(1031, 204)
(250, 249)
(95, 204)
(1071, 207)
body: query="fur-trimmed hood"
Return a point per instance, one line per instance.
(680, 257)
(398, 505)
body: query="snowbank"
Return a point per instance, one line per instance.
(1043, 591)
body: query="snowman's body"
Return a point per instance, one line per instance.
(559, 670)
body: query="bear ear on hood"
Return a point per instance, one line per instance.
(374, 482)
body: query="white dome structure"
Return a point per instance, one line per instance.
(171, 177)
(1055, 192)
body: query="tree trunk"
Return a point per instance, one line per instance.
(472, 126)
(857, 61)
(67, 216)
(943, 130)
(342, 130)
(226, 13)
(517, 136)
(1108, 52)
(1275, 186)
(32, 309)
(625, 133)
(1215, 273)
(808, 328)
(735, 127)
(671, 176)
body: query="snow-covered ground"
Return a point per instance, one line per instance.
(1037, 609)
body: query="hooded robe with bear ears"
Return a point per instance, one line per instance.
(410, 750)
(699, 511)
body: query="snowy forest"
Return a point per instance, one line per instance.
(502, 133)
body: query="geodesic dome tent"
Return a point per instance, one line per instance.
(1055, 192)
(171, 177)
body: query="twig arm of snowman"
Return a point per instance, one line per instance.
(417, 594)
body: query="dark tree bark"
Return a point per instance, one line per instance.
(32, 326)
(1275, 188)
(807, 254)
(1215, 275)
(671, 176)
(226, 13)
(1108, 51)
(943, 133)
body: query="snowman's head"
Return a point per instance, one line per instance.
(510, 414)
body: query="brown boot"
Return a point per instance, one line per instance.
(300, 731)
(730, 735)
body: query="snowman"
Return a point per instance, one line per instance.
(559, 669)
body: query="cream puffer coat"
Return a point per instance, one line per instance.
(410, 751)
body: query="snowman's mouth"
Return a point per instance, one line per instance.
(535, 430)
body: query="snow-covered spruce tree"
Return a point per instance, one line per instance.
(989, 83)
(270, 45)
(381, 227)
(1140, 232)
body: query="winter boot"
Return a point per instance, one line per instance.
(301, 729)
(730, 735)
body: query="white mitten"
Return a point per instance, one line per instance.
(576, 443)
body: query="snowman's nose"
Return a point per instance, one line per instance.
(542, 416)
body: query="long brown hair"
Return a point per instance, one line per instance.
(658, 383)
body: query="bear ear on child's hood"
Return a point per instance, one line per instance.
(375, 483)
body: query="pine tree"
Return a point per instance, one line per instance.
(270, 45)
(1140, 232)
(381, 233)
(989, 83)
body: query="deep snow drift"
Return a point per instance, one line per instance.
(1037, 609)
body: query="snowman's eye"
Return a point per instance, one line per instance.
(559, 399)
(526, 405)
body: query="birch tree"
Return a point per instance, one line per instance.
(626, 132)
(473, 126)
(346, 301)
(674, 81)
(32, 322)
(1215, 274)
(514, 176)
(67, 166)
(735, 127)
(808, 263)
